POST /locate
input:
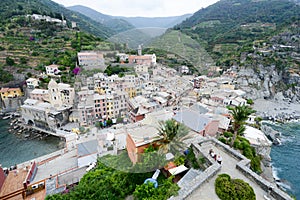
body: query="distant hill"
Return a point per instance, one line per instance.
(228, 30)
(118, 25)
(162, 22)
(10, 8)
(224, 20)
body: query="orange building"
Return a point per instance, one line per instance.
(140, 138)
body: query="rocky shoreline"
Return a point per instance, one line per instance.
(274, 111)
(277, 110)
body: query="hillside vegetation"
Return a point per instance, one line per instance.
(116, 24)
(10, 8)
(28, 45)
(231, 26)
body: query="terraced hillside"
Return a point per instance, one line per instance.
(28, 45)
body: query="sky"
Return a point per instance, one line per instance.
(143, 8)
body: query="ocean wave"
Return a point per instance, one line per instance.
(287, 139)
(282, 183)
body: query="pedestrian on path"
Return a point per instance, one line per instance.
(219, 159)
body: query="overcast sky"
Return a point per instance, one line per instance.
(145, 8)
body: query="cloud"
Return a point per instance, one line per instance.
(147, 8)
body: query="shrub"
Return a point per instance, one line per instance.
(248, 153)
(255, 164)
(179, 160)
(222, 139)
(227, 134)
(192, 159)
(227, 188)
(10, 61)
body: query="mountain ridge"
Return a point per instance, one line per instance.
(116, 24)
(137, 22)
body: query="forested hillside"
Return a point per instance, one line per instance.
(116, 24)
(11, 8)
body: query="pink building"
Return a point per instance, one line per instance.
(146, 59)
(39, 94)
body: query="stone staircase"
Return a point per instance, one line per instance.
(188, 178)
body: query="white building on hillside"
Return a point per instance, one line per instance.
(91, 60)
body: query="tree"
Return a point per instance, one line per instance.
(10, 61)
(227, 188)
(173, 134)
(240, 114)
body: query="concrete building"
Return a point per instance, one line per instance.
(6, 93)
(60, 94)
(50, 109)
(141, 69)
(39, 94)
(43, 115)
(91, 60)
(146, 59)
(32, 83)
(123, 57)
(87, 153)
(140, 138)
(52, 70)
(202, 124)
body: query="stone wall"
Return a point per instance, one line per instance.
(187, 187)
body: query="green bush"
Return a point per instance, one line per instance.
(235, 189)
(164, 191)
(255, 164)
(179, 160)
(227, 134)
(223, 140)
(192, 159)
(10, 61)
(247, 152)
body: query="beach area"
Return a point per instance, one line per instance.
(277, 109)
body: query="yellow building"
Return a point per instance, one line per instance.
(131, 91)
(109, 106)
(6, 93)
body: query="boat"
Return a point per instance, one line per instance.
(6, 117)
(277, 141)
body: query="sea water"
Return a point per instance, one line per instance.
(15, 149)
(286, 158)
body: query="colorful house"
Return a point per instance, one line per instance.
(140, 138)
(6, 93)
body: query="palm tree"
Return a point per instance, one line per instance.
(173, 134)
(240, 114)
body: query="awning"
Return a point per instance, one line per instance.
(178, 170)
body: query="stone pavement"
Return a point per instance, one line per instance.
(207, 190)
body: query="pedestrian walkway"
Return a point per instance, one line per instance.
(207, 190)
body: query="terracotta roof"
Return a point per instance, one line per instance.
(9, 89)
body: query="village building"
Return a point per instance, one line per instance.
(52, 70)
(91, 60)
(140, 138)
(202, 124)
(7, 93)
(32, 83)
(39, 94)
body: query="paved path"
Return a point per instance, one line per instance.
(207, 190)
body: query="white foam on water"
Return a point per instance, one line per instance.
(285, 185)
